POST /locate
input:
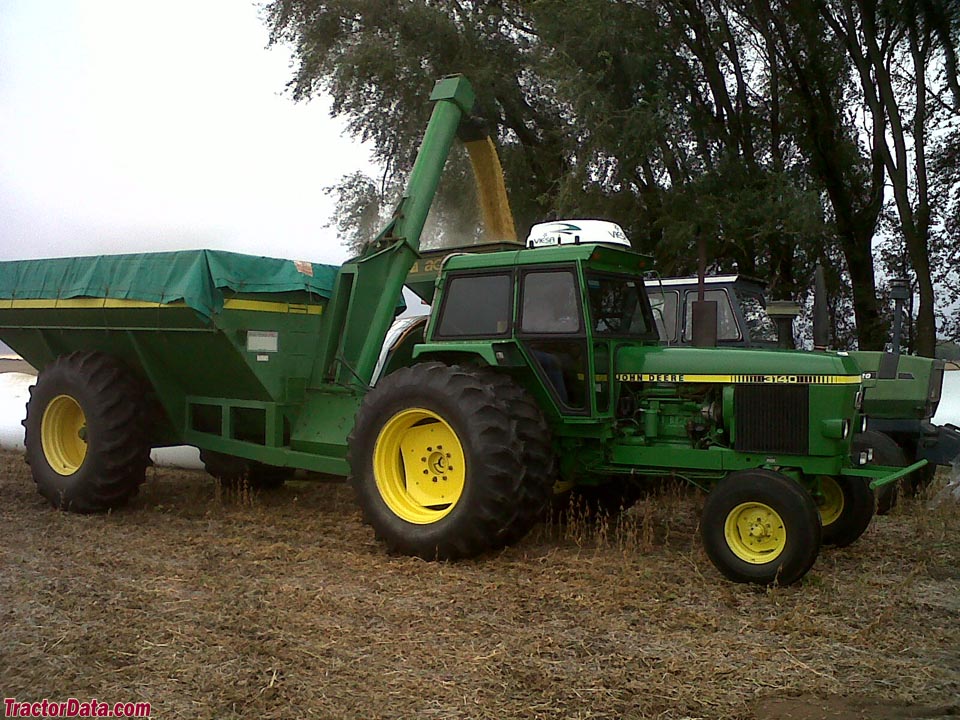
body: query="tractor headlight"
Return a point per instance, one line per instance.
(863, 457)
(858, 402)
(869, 454)
(863, 423)
(835, 428)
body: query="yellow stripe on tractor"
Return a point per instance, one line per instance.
(741, 379)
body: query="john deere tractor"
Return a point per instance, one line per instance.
(901, 391)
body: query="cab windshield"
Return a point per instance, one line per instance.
(760, 326)
(618, 306)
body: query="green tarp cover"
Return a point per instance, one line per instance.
(197, 277)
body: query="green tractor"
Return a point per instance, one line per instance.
(901, 392)
(537, 365)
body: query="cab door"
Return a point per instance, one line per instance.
(551, 330)
(619, 314)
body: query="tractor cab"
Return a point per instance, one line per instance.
(560, 309)
(743, 319)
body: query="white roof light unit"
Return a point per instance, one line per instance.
(576, 232)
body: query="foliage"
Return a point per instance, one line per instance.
(744, 123)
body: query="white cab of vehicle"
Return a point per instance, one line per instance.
(576, 232)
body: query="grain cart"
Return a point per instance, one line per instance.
(535, 363)
(901, 392)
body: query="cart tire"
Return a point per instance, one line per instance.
(437, 464)
(759, 526)
(887, 452)
(233, 471)
(847, 509)
(87, 433)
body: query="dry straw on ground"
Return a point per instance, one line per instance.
(282, 605)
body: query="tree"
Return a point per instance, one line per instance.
(733, 121)
(894, 47)
(812, 71)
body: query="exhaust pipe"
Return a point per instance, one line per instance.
(899, 291)
(705, 312)
(821, 318)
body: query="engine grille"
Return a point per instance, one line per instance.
(772, 419)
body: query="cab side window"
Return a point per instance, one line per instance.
(476, 306)
(550, 303)
(726, 321)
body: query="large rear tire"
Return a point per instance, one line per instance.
(539, 459)
(438, 464)
(847, 509)
(887, 452)
(87, 433)
(759, 526)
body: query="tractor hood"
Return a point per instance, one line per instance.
(736, 365)
(900, 386)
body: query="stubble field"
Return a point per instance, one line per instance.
(282, 605)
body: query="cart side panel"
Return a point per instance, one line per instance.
(252, 352)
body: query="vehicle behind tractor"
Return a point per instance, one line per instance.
(901, 392)
(538, 369)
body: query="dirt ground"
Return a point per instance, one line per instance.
(283, 605)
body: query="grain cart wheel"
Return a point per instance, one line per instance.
(539, 460)
(437, 464)
(593, 502)
(761, 527)
(885, 452)
(87, 433)
(234, 471)
(847, 509)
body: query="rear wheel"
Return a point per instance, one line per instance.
(759, 526)
(847, 509)
(539, 460)
(919, 479)
(438, 465)
(233, 472)
(87, 433)
(887, 452)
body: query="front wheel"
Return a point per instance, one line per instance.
(438, 466)
(887, 452)
(846, 510)
(759, 526)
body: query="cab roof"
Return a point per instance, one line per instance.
(728, 279)
(598, 256)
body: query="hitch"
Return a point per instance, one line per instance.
(881, 475)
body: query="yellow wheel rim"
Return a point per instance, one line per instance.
(755, 533)
(419, 466)
(63, 435)
(833, 501)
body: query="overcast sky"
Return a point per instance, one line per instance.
(136, 126)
